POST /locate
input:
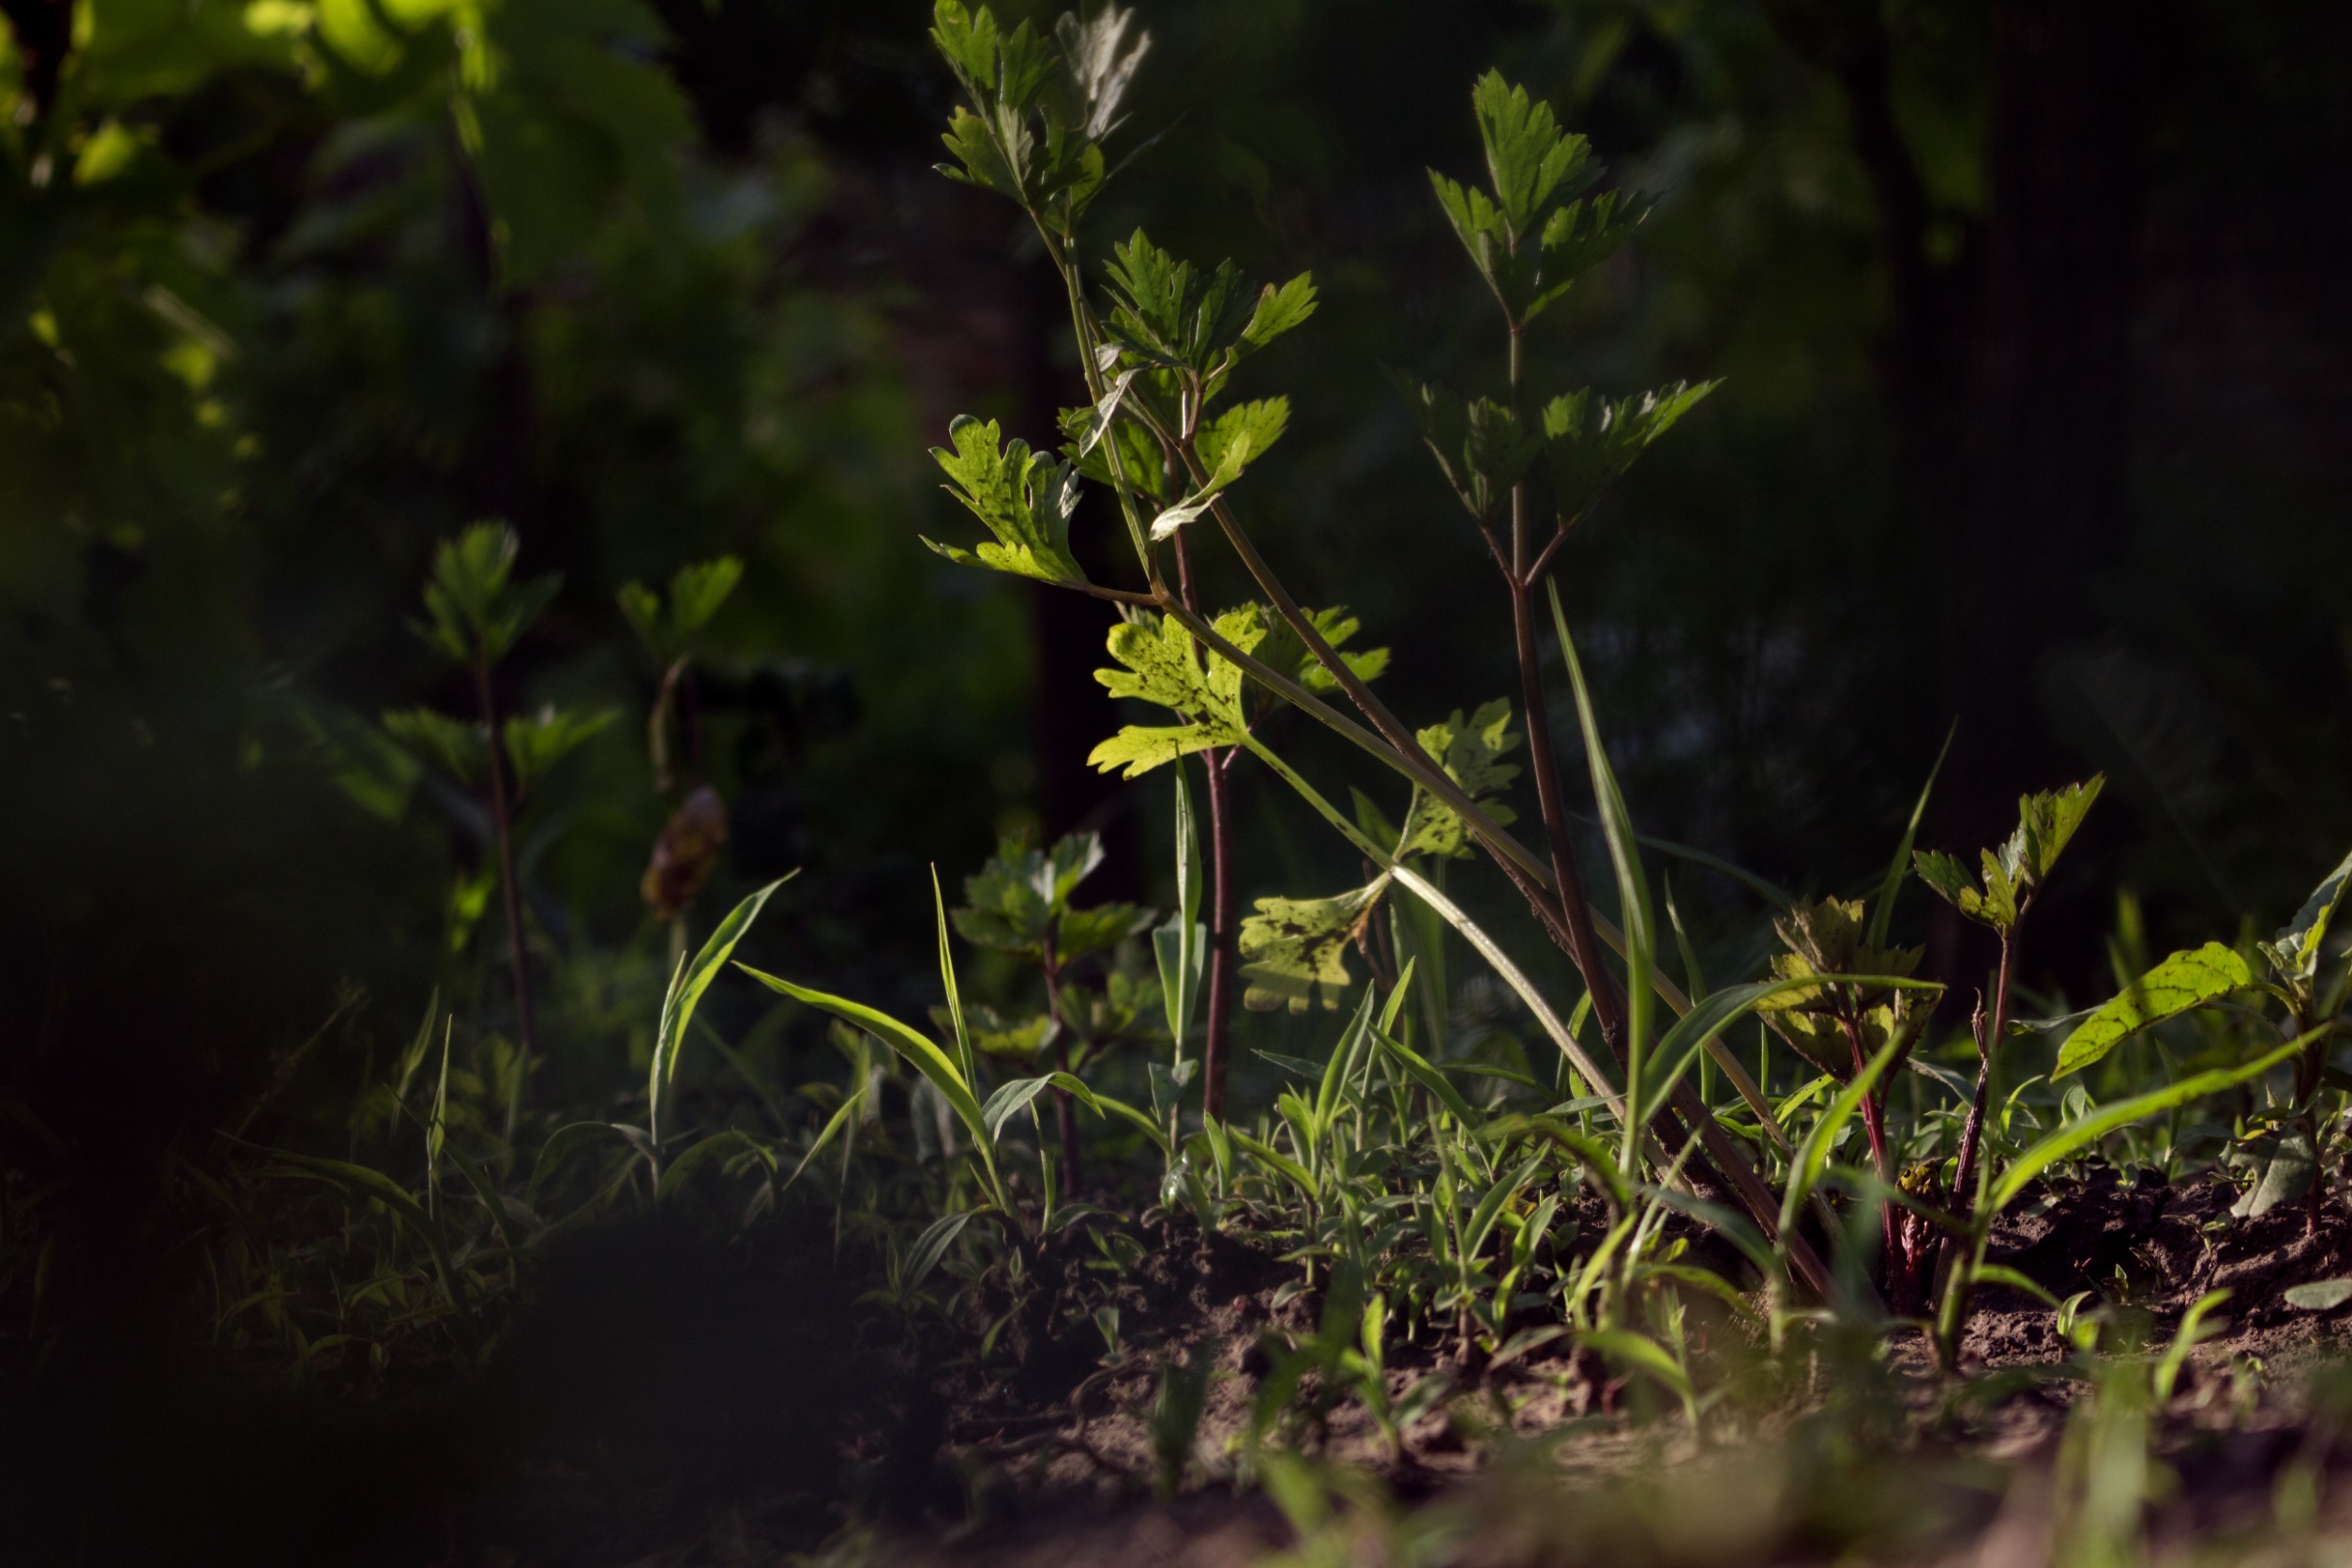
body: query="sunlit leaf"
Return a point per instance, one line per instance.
(1293, 950)
(1025, 499)
(2181, 984)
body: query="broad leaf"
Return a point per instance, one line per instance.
(1293, 950)
(2181, 984)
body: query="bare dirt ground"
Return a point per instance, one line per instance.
(1054, 1464)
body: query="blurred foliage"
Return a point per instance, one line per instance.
(290, 291)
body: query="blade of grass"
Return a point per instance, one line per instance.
(1633, 886)
(1901, 866)
(686, 993)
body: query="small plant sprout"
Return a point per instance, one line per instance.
(475, 612)
(1020, 904)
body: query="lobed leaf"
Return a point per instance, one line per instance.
(1293, 950)
(1589, 440)
(1471, 753)
(1025, 499)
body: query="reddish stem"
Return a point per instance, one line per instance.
(501, 828)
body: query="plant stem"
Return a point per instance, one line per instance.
(1988, 1047)
(1216, 1046)
(501, 828)
(1584, 947)
(1897, 1264)
(1064, 1111)
(1953, 1321)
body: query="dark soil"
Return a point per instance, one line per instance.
(1055, 1463)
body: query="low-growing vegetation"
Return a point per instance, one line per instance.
(1765, 1248)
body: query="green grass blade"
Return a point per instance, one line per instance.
(964, 1061)
(673, 1175)
(1901, 866)
(1273, 1159)
(1343, 1052)
(686, 993)
(919, 1050)
(839, 1120)
(1693, 973)
(1143, 1122)
(1417, 1067)
(559, 1145)
(1010, 1099)
(1633, 888)
(2075, 1135)
(1640, 1353)
(932, 1245)
(1814, 1154)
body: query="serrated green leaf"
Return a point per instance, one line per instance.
(1021, 897)
(1995, 906)
(1160, 664)
(1589, 440)
(1279, 309)
(536, 743)
(475, 612)
(2181, 984)
(1529, 161)
(1294, 949)
(1479, 444)
(1141, 466)
(1025, 499)
(1471, 751)
(1279, 646)
(451, 744)
(1535, 234)
(2047, 822)
(1102, 64)
(1236, 438)
(697, 591)
(967, 41)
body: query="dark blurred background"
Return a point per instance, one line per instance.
(2030, 313)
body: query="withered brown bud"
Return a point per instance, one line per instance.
(686, 853)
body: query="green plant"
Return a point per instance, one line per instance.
(475, 612)
(1158, 354)
(2292, 972)
(1020, 904)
